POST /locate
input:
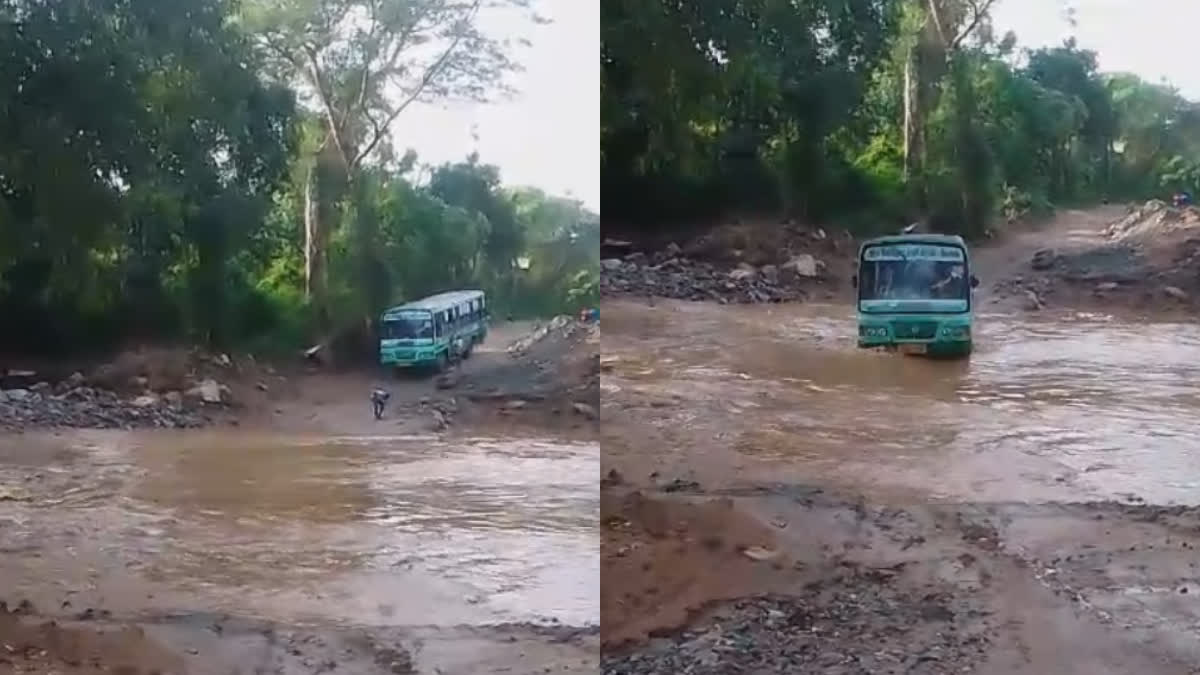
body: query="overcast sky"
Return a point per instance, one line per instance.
(1151, 38)
(548, 136)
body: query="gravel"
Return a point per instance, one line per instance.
(89, 408)
(673, 276)
(861, 628)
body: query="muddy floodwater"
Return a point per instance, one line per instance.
(1052, 407)
(346, 531)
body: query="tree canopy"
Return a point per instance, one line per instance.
(875, 113)
(159, 164)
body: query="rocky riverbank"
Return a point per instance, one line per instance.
(670, 274)
(168, 389)
(73, 403)
(89, 408)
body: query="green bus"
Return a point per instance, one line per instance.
(434, 331)
(915, 294)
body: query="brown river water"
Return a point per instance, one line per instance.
(1064, 407)
(367, 531)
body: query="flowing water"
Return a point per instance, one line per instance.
(363, 531)
(1052, 408)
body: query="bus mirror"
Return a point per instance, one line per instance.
(974, 281)
(854, 280)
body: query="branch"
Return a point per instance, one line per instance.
(979, 9)
(362, 84)
(937, 21)
(435, 69)
(326, 102)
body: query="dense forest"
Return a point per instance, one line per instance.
(223, 172)
(871, 113)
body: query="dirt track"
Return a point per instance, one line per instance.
(299, 535)
(1022, 512)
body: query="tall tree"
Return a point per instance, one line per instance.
(939, 29)
(360, 64)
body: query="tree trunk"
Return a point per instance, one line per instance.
(910, 112)
(313, 252)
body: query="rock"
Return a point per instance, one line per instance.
(760, 554)
(1175, 292)
(1032, 301)
(1044, 259)
(1107, 286)
(611, 264)
(223, 360)
(145, 401)
(447, 380)
(803, 265)
(40, 388)
(672, 250)
(585, 410)
(439, 419)
(139, 383)
(770, 274)
(515, 404)
(262, 386)
(209, 391)
(743, 272)
(18, 394)
(173, 399)
(75, 380)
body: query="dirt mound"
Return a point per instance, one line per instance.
(1155, 220)
(550, 375)
(740, 263)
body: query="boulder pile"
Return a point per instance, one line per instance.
(670, 274)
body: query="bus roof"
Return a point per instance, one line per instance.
(440, 301)
(944, 239)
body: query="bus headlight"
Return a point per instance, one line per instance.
(872, 331)
(956, 332)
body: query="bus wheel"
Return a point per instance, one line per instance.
(442, 361)
(469, 348)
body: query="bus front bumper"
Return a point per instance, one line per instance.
(408, 359)
(924, 336)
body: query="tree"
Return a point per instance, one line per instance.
(152, 118)
(940, 28)
(360, 64)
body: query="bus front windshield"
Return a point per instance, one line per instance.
(913, 273)
(409, 326)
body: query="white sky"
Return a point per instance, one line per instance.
(548, 135)
(1150, 38)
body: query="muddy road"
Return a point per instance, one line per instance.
(310, 538)
(1029, 510)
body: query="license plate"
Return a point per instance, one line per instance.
(906, 348)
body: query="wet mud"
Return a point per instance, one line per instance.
(1027, 510)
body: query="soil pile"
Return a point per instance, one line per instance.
(740, 263)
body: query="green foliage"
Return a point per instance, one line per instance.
(155, 159)
(709, 107)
